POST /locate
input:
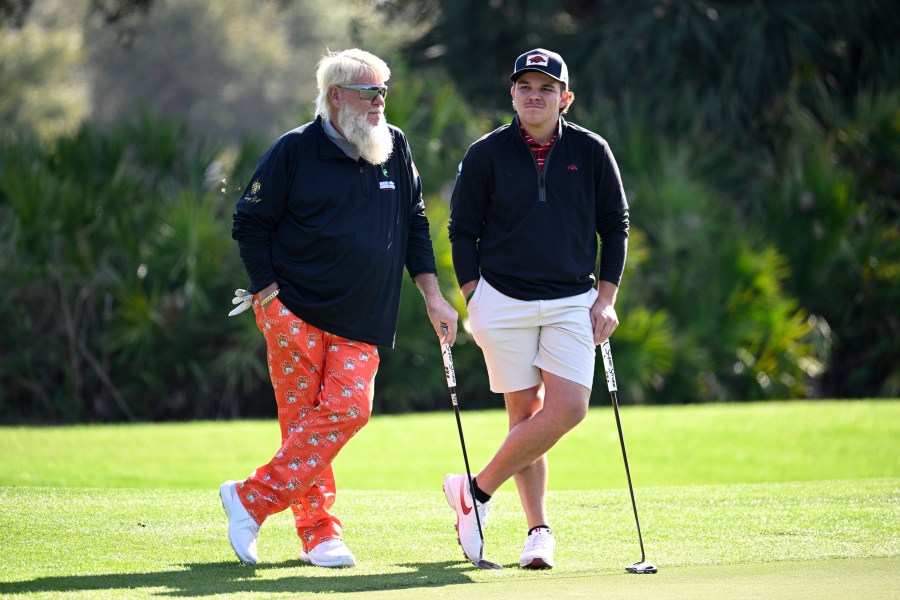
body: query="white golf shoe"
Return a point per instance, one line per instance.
(242, 528)
(459, 497)
(330, 553)
(538, 551)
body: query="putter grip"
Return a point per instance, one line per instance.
(606, 351)
(448, 362)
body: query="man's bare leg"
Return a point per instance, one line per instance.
(565, 406)
(531, 482)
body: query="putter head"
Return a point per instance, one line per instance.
(642, 568)
(485, 564)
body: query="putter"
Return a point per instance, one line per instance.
(643, 567)
(481, 563)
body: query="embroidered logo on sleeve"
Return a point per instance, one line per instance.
(252, 195)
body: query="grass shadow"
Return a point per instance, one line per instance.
(207, 579)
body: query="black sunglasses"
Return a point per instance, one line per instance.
(366, 92)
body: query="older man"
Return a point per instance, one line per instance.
(330, 218)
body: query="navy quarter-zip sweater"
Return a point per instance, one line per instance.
(334, 233)
(533, 235)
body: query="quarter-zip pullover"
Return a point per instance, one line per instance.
(334, 232)
(532, 233)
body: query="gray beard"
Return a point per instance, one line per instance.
(374, 142)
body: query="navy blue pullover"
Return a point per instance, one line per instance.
(533, 235)
(334, 233)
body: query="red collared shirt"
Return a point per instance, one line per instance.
(540, 151)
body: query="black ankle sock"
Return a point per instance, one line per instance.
(547, 527)
(480, 495)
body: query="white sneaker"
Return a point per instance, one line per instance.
(242, 528)
(330, 553)
(538, 551)
(459, 497)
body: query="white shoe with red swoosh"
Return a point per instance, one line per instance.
(459, 497)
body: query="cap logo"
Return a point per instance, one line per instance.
(537, 59)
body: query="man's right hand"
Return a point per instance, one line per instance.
(467, 288)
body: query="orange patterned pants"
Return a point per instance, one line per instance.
(324, 385)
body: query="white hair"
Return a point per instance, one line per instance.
(346, 66)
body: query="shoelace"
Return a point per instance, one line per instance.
(538, 540)
(484, 511)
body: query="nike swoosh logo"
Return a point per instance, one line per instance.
(462, 501)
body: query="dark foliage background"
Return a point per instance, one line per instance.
(758, 142)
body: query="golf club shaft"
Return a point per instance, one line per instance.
(451, 384)
(611, 384)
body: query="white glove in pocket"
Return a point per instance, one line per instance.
(243, 299)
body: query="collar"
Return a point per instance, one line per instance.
(533, 144)
(517, 126)
(339, 140)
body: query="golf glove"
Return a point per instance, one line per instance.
(243, 299)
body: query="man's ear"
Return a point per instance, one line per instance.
(334, 95)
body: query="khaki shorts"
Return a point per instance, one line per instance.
(521, 338)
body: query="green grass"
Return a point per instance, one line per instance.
(797, 499)
(667, 445)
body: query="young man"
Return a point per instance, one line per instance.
(530, 200)
(331, 217)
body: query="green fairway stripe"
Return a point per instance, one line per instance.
(667, 445)
(870, 579)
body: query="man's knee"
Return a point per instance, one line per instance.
(573, 412)
(348, 413)
(569, 401)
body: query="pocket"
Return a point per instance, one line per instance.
(268, 308)
(476, 293)
(268, 314)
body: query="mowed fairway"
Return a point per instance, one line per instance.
(769, 500)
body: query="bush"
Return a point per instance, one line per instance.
(119, 244)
